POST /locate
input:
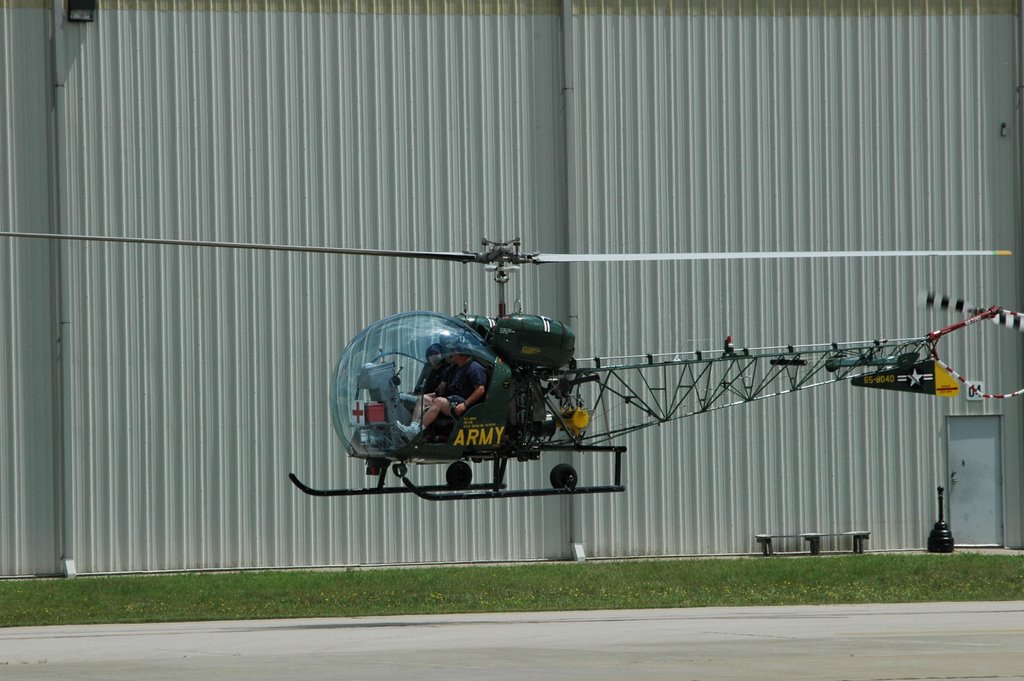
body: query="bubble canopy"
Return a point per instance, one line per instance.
(376, 375)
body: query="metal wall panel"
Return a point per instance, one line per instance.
(818, 131)
(198, 380)
(207, 373)
(28, 507)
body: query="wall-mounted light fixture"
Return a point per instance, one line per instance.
(81, 10)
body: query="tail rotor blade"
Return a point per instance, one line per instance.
(946, 302)
(1007, 318)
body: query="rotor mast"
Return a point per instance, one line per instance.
(502, 258)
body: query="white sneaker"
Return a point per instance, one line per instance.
(411, 430)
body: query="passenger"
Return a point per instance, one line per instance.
(466, 386)
(433, 382)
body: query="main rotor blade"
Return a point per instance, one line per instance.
(776, 255)
(422, 255)
(536, 258)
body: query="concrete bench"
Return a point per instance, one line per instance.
(859, 537)
(814, 539)
(765, 540)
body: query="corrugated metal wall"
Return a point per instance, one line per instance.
(197, 380)
(208, 371)
(772, 130)
(29, 510)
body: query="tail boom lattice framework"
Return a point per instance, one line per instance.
(632, 393)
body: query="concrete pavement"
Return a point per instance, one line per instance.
(908, 641)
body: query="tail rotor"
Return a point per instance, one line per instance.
(996, 315)
(1003, 317)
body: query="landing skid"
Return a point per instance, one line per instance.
(563, 478)
(370, 491)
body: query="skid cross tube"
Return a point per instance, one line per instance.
(492, 491)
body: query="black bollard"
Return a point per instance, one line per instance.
(940, 539)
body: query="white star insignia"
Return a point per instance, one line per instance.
(916, 379)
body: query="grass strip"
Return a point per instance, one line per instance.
(872, 578)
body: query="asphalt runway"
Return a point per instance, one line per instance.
(909, 641)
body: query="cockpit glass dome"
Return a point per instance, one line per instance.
(376, 378)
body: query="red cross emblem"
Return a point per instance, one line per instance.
(358, 414)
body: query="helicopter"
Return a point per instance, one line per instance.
(540, 397)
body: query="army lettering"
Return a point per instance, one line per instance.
(479, 435)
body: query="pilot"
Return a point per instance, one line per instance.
(438, 370)
(465, 387)
(432, 383)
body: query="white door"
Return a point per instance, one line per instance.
(974, 489)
